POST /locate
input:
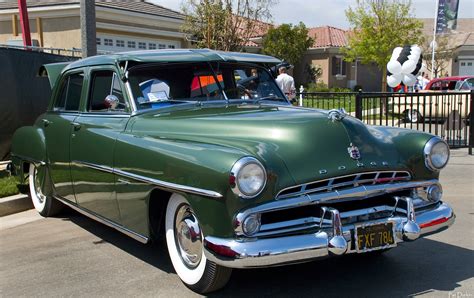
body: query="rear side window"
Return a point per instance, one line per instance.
(70, 94)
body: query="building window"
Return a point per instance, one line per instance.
(131, 44)
(98, 41)
(170, 46)
(108, 42)
(120, 43)
(152, 46)
(338, 66)
(161, 46)
(142, 45)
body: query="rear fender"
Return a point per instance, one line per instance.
(28, 145)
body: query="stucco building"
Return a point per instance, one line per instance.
(121, 25)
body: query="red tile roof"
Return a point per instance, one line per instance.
(328, 36)
(325, 36)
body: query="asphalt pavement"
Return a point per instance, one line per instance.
(72, 255)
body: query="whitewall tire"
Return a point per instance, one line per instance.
(184, 240)
(44, 204)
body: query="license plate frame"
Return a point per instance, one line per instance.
(363, 229)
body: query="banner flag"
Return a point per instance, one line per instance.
(447, 17)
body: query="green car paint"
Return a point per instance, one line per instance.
(196, 145)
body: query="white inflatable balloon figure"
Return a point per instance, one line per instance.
(404, 65)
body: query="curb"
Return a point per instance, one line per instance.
(15, 204)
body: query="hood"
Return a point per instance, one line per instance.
(311, 146)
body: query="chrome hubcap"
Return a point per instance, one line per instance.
(188, 236)
(38, 180)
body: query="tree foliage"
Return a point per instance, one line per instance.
(443, 54)
(225, 24)
(377, 27)
(288, 42)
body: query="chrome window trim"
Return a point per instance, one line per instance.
(105, 221)
(159, 183)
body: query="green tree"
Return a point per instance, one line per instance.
(378, 26)
(288, 42)
(225, 24)
(443, 54)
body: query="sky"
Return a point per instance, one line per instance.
(331, 12)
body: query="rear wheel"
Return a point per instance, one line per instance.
(185, 247)
(38, 180)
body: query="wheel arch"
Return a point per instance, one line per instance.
(157, 202)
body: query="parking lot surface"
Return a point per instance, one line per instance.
(72, 255)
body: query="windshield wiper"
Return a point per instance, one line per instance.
(271, 97)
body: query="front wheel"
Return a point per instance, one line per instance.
(413, 116)
(38, 180)
(185, 247)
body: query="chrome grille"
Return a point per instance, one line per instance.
(344, 182)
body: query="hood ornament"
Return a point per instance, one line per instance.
(353, 151)
(336, 114)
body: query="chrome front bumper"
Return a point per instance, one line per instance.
(251, 253)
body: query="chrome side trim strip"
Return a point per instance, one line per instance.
(105, 221)
(31, 160)
(159, 183)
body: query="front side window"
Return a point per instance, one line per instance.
(69, 97)
(105, 83)
(164, 85)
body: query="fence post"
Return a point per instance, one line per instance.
(301, 96)
(358, 105)
(471, 121)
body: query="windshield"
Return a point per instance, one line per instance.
(168, 84)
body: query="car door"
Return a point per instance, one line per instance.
(93, 140)
(57, 129)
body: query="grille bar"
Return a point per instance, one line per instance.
(343, 182)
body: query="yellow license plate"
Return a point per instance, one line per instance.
(373, 237)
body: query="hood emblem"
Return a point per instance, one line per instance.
(353, 151)
(336, 114)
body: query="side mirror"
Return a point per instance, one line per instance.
(112, 101)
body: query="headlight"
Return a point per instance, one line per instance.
(248, 177)
(436, 153)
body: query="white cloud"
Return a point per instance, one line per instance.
(331, 12)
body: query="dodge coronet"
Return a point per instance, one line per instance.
(201, 148)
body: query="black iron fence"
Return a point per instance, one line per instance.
(446, 114)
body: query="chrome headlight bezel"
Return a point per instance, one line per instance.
(239, 166)
(427, 153)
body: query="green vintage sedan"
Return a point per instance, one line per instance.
(202, 149)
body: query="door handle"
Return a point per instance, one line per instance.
(46, 122)
(76, 126)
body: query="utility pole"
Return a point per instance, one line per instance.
(88, 28)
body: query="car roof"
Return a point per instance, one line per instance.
(174, 55)
(456, 78)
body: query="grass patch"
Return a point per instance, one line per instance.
(7, 185)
